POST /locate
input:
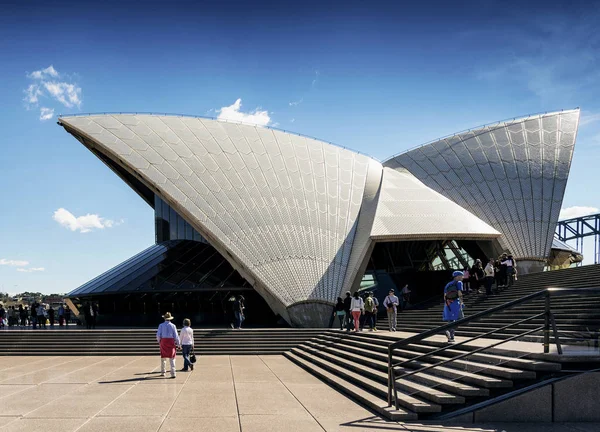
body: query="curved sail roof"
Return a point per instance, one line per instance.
(512, 175)
(282, 207)
(409, 210)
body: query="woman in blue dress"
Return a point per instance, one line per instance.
(453, 304)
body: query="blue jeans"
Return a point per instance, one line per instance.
(185, 351)
(239, 319)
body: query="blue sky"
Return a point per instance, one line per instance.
(373, 76)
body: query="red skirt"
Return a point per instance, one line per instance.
(167, 348)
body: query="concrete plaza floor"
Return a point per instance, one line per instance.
(224, 393)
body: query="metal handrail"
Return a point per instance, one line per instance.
(549, 321)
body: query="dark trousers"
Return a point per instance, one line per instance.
(185, 351)
(90, 322)
(349, 321)
(510, 275)
(370, 319)
(489, 281)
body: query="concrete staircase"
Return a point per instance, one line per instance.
(143, 342)
(577, 317)
(356, 364)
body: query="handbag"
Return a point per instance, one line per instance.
(192, 357)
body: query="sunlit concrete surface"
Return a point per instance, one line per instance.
(224, 393)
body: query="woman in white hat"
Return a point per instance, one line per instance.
(168, 340)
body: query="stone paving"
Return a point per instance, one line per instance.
(224, 393)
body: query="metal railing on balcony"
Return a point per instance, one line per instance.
(397, 370)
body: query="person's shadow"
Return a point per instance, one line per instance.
(141, 378)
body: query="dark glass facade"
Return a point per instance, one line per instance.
(188, 278)
(172, 266)
(171, 226)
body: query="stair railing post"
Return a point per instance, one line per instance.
(390, 377)
(555, 333)
(547, 324)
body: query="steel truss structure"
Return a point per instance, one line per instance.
(579, 228)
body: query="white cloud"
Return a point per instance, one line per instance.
(577, 211)
(46, 113)
(49, 83)
(13, 263)
(232, 112)
(31, 269)
(82, 224)
(32, 94)
(44, 73)
(67, 94)
(292, 120)
(296, 103)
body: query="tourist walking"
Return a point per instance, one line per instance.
(405, 297)
(466, 280)
(502, 260)
(510, 269)
(186, 339)
(476, 274)
(347, 309)
(239, 311)
(489, 276)
(23, 316)
(340, 312)
(357, 305)
(391, 306)
(51, 316)
(453, 302)
(167, 338)
(41, 316)
(370, 311)
(34, 306)
(67, 316)
(61, 315)
(91, 315)
(13, 319)
(2, 316)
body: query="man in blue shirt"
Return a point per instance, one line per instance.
(168, 339)
(453, 302)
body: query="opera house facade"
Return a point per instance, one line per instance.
(292, 222)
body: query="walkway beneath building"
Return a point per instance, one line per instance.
(224, 393)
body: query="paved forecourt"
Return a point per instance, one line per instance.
(224, 393)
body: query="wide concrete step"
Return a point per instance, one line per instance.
(405, 400)
(353, 362)
(477, 379)
(378, 361)
(357, 393)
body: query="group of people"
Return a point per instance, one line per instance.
(501, 271)
(354, 311)
(169, 342)
(37, 315)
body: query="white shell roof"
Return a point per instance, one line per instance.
(283, 206)
(409, 210)
(512, 175)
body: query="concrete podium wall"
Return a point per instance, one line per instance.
(574, 399)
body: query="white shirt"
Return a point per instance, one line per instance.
(405, 290)
(357, 304)
(489, 270)
(508, 262)
(187, 336)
